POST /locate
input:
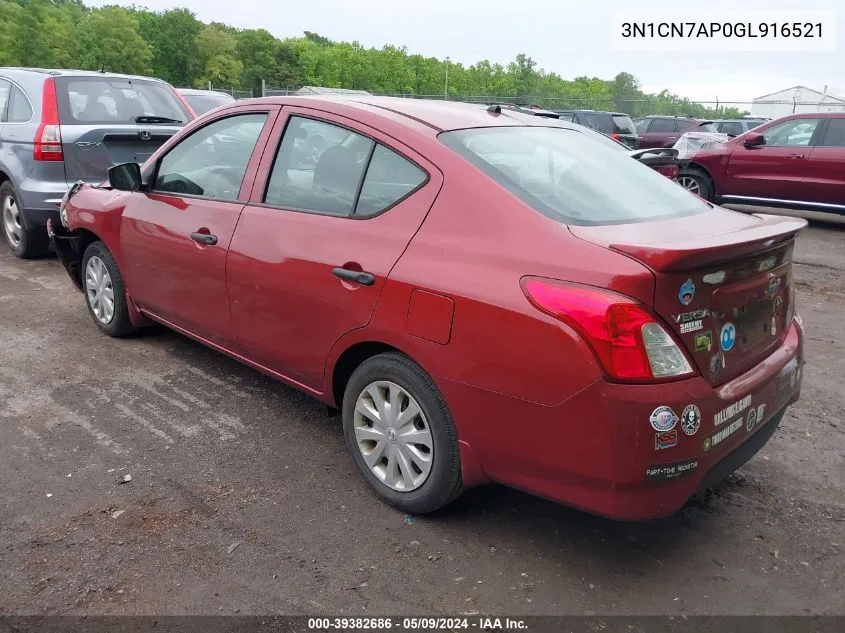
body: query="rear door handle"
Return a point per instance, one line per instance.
(355, 276)
(796, 155)
(204, 238)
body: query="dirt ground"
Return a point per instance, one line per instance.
(242, 498)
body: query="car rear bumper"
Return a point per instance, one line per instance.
(40, 199)
(599, 452)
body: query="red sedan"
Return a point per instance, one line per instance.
(483, 295)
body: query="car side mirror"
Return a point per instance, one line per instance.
(753, 139)
(126, 177)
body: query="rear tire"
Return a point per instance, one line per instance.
(26, 243)
(696, 181)
(414, 461)
(104, 291)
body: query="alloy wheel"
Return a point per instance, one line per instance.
(393, 435)
(98, 286)
(12, 221)
(690, 184)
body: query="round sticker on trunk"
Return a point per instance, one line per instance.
(687, 292)
(727, 337)
(663, 419)
(691, 420)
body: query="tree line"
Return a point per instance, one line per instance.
(177, 47)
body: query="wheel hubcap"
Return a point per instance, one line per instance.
(690, 184)
(393, 436)
(98, 286)
(12, 221)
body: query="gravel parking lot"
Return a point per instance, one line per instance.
(242, 498)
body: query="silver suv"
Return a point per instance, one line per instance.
(61, 126)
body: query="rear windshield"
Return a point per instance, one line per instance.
(114, 101)
(598, 121)
(572, 177)
(206, 102)
(707, 127)
(624, 124)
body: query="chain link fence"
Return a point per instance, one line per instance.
(633, 107)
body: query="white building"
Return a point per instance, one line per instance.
(795, 100)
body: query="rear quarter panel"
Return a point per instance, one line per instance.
(474, 247)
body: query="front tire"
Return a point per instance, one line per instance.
(26, 243)
(105, 294)
(400, 434)
(697, 182)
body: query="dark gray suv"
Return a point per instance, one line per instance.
(61, 126)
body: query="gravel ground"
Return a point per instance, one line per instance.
(242, 498)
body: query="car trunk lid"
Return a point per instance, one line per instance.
(726, 293)
(90, 151)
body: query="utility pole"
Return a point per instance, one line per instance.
(446, 87)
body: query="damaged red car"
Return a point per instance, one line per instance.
(484, 296)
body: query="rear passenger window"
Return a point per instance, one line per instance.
(325, 168)
(389, 178)
(663, 126)
(19, 109)
(835, 134)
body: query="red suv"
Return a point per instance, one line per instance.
(664, 131)
(796, 161)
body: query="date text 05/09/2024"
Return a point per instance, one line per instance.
(477, 623)
(721, 29)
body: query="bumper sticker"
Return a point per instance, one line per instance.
(728, 412)
(663, 419)
(666, 439)
(717, 438)
(665, 472)
(691, 420)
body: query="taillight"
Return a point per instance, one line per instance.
(631, 345)
(615, 137)
(48, 137)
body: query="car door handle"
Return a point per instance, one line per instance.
(204, 238)
(796, 155)
(356, 276)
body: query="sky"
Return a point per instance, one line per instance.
(571, 38)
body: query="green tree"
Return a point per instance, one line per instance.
(172, 35)
(216, 50)
(256, 50)
(110, 38)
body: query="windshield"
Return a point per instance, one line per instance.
(106, 100)
(202, 103)
(707, 127)
(572, 177)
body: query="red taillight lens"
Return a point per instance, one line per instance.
(615, 137)
(48, 137)
(628, 341)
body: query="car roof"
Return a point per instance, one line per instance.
(434, 114)
(65, 72)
